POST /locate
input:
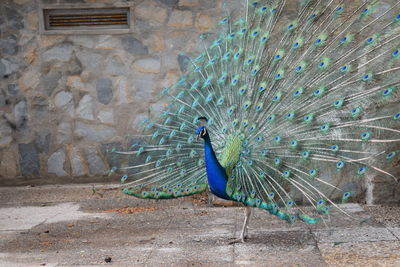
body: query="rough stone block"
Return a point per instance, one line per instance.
(77, 162)
(13, 89)
(90, 60)
(64, 132)
(156, 42)
(62, 98)
(8, 45)
(96, 164)
(94, 133)
(151, 13)
(50, 40)
(183, 62)
(85, 108)
(104, 90)
(42, 142)
(28, 159)
(148, 65)
(204, 22)
(8, 164)
(134, 46)
(188, 3)
(30, 55)
(107, 43)
(144, 85)
(123, 91)
(7, 67)
(20, 114)
(49, 81)
(88, 41)
(15, 19)
(75, 82)
(108, 150)
(169, 3)
(29, 80)
(115, 66)
(31, 20)
(384, 192)
(55, 163)
(74, 66)
(61, 52)
(106, 116)
(181, 18)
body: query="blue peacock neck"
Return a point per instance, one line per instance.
(216, 175)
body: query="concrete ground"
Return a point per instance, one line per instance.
(69, 226)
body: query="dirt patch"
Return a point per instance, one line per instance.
(129, 210)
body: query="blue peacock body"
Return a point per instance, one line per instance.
(292, 107)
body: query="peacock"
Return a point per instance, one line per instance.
(292, 102)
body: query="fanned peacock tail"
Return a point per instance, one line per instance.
(300, 106)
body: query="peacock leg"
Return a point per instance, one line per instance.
(247, 213)
(243, 234)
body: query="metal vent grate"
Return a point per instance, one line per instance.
(86, 19)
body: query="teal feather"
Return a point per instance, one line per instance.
(312, 100)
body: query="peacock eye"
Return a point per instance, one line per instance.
(203, 132)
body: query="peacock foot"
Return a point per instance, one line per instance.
(238, 240)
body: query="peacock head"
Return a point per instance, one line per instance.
(202, 131)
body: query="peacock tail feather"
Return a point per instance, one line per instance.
(301, 106)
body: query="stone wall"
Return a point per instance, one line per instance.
(66, 99)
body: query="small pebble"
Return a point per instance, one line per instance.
(108, 259)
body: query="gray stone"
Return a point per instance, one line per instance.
(64, 132)
(169, 61)
(49, 81)
(104, 90)
(144, 85)
(55, 163)
(88, 41)
(62, 98)
(42, 142)
(13, 89)
(384, 192)
(74, 67)
(15, 19)
(183, 62)
(95, 133)
(148, 65)
(108, 150)
(20, 114)
(40, 106)
(85, 108)
(106, 116)
(134, 46)
(28, 159)
(3, 98)
(96, 164)
(61, 52)
(8, 45)
(9, 66)
(5, 133)
(90, 61)
(170, 3)
(115, 66)
(77, 165)
(2, 70)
